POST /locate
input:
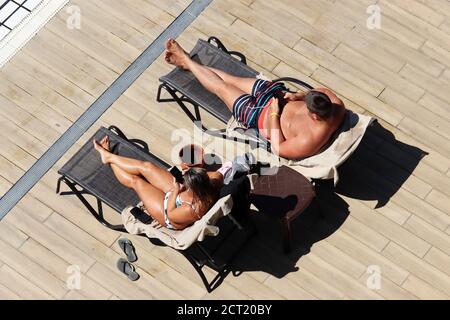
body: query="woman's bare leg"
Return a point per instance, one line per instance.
(227, 92)
(158, 177)
(151, 196)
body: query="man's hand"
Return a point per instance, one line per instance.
(274, 106)
(297, 96)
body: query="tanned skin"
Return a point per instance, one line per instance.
(298, 133)
(294, 131)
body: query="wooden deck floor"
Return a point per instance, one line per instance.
(398, 202)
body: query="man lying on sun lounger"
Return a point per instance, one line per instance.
(297, 124)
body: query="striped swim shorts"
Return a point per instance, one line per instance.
(248, 107)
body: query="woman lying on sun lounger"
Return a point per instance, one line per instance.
(171, 204)
(298, 125)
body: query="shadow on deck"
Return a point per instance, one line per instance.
(375, 172)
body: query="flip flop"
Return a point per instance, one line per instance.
(128, 269)
(128, 248)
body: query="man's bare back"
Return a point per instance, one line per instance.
(305, 134)
(296, 131)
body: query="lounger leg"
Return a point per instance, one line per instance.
(98, 215)
(196, 119)
(58, 184)
(224, 269)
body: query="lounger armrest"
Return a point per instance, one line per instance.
(215, 41)
(296, 81)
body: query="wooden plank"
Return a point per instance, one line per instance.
(341, 281)
(439, 200)
(420, 27)
(21, 286)
(440, 6)
(11, 235)
(315, 285)
(64, 87)
(389, 25)
(422, 209)
(395, 212)
(425, 135)
(418, 267)
(283, 70)
(434, 51)
(436, 105)
(49, 239)
(304, 12)
(74, 295)
(103, 254)
(403, 144)
(29, 202)
(119, 285)
(435, 86)
(6, 294)
(413, 110)
(365, 233)
(279, 51)
(432, 235)
(422, 289)
(438, 259)
(357, 95)
(178, 284)
(89, 289)
(90, 46)
(14, 110)
(288, 289)
(381, 74)
(421, 11)
(445, 26)
(73, 210)
(408, 54)
(346, 71)
(231, 40)
(26, 141)
(367, 256)
(401, 197)
(32, 271)
(370, 156)
(372, 50)
(224, 292)
(389, 229)
(388, 289)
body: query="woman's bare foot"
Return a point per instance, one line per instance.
(103, 149)
(175, 54)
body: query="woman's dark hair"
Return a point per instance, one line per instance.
(197, 180)
(319, 103)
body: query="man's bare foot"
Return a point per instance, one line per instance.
(175, 54)
(103, 149)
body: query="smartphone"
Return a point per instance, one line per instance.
(177, 174)
(141, 215)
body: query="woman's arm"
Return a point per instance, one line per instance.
(171, 202)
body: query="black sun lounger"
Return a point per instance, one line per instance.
(185, 89)
(87, 177)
